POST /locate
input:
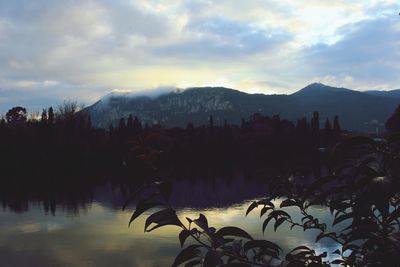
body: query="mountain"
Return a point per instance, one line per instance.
(357, 111)
(392, 93)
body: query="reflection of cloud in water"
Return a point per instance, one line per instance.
(101, 237)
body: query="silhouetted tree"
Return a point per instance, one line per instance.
(315, 122)
(43, 118)
(51, 116)
(89, 123)
(336, 125)
(16, 114)
(302, 125)
(189, 126)
(211, 121)
(68, 108)
(129, 124)
(393, 123)
(122, 129)
(328, 126)
(137, 126)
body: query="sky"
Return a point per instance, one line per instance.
(81, 50)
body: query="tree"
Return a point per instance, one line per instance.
(328, 126)
(16, 115)
(129, 124)
(68, 109)
(315, 122)
(393, 123)
(43, 118)
(51, 116)
(211, 121)
(336, 125)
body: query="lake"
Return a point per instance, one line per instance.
(96, 233)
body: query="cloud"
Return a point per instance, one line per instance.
(218, 38)
(55, 50)
(369, 54)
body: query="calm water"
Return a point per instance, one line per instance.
(97, 234)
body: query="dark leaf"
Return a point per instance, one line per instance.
(261, 244)
(299, 248)
(202, 222)
(266, 221)
(212, 259)
(342, 218)
(278, 222)
(296, 263)
(277, 213)
(141, 207)
(189, 253)
(233, 231)
(133, 196)
(331, 235)
(193, 263)
(251, 207)
(288, 203)
(236, 264)
(183, 235)
(264, 210)
(162, 218)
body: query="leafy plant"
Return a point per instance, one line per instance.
(361, 193)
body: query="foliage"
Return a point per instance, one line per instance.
(393, 123)
(361, 192)
(16, 114)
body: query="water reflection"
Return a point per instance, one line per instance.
(100, 237)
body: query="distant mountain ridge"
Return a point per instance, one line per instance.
(358, 111)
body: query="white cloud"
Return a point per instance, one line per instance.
(82, 49)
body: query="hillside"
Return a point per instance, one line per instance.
(359, 111)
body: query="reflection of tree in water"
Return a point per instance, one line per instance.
(60, 159)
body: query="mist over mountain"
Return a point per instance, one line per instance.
(357, 111)
(392, 93)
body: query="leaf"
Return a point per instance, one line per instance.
(183, 235)
(261, 244)
(251, 207)
(393, 138)
(299, 248)
(317, 184)
(278, 222)
(265, 223)
(237, 264)
(202, 222)
(266, 202)
(233, 231)
(288, 203)
(331, 235)
(342, 218)
(338, 261)
(351, 143)
(296, 263)
(212, 259)
(191, 252)
(162, 218)
(264, 210)
(277, 213)
(141, 207)
(193, 263)
(133, 196)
